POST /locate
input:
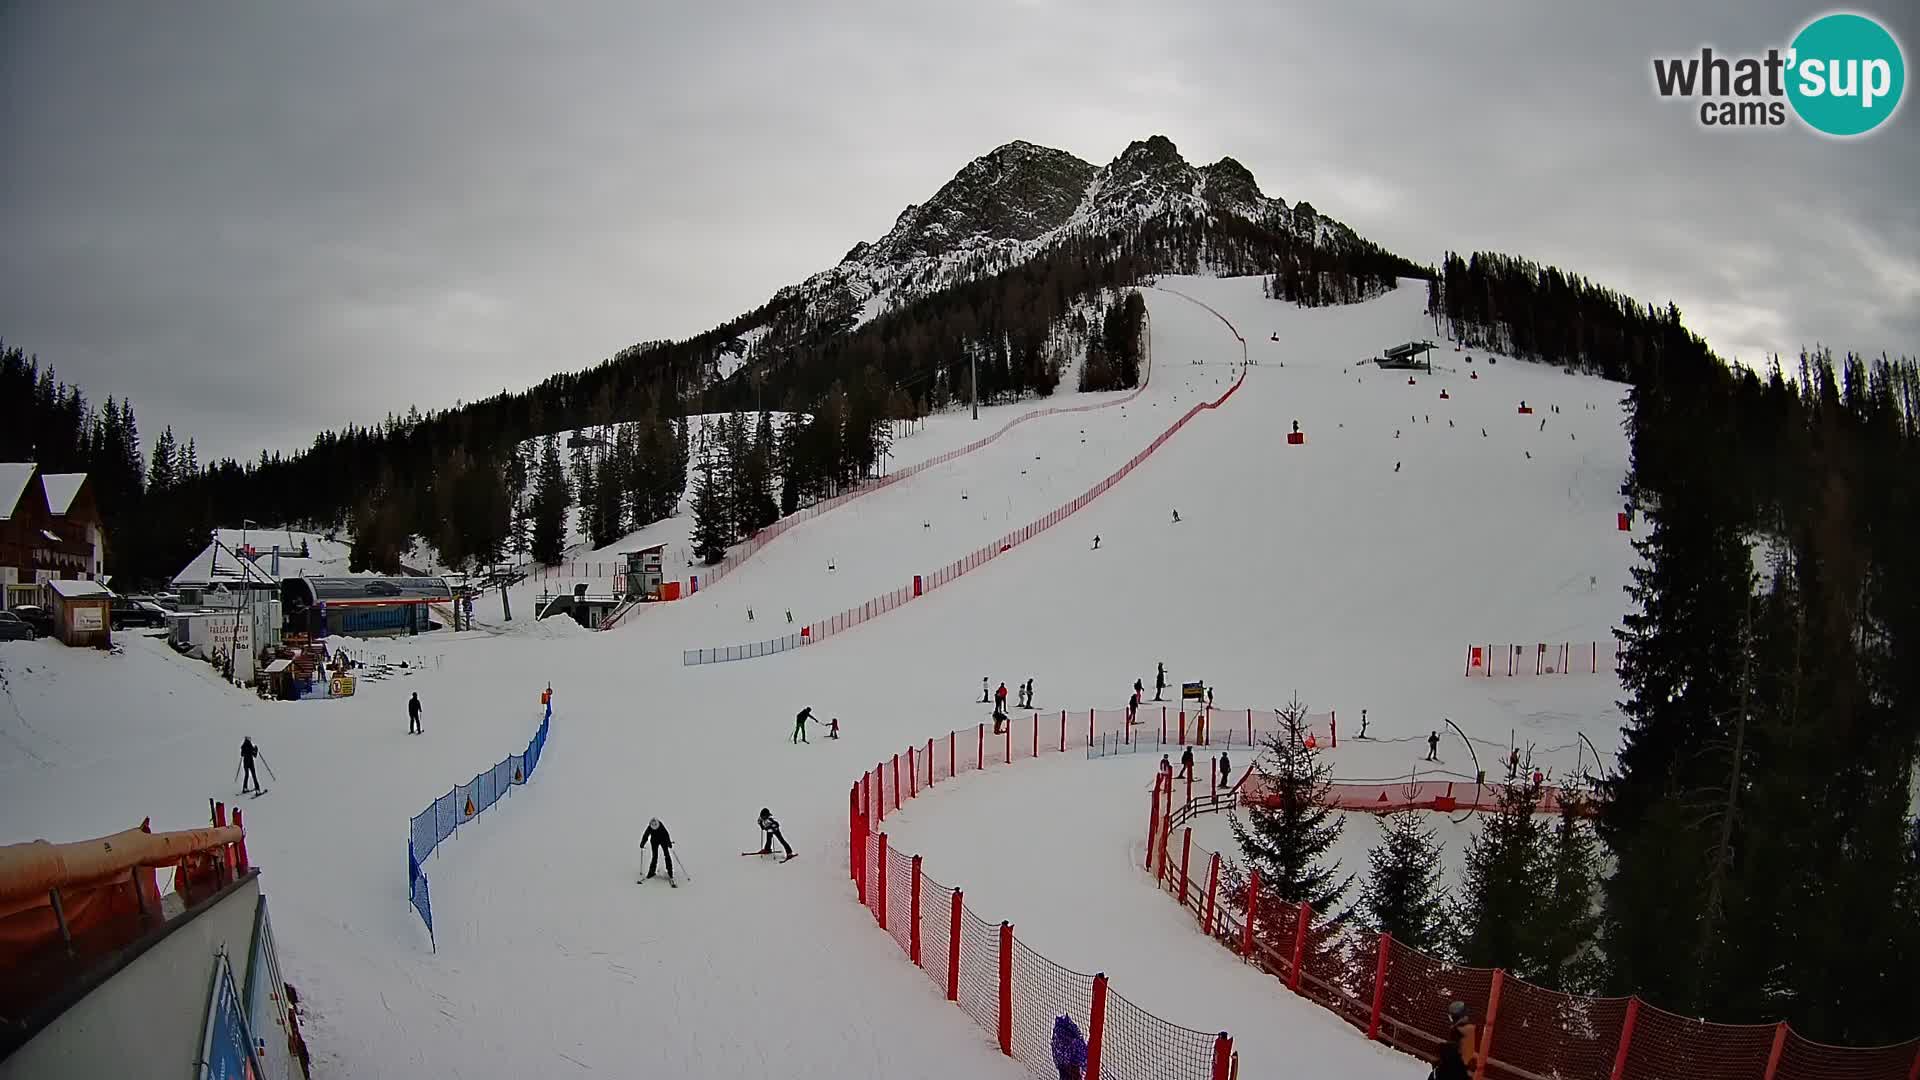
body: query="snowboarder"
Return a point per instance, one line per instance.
(771, 830)
(1000, 699)
(1459, 1054)
(248, 752)
(1433, 746)
(1069, 1048)
(1159, 680)
(1176, 517)
(1186, 763)
(800, 724)
(413, 714)
(657, 839)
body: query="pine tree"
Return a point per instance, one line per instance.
(1403, 894)
(1287, 835)
(1496, 913)
(551, 499)
(160, 473)
(586, 481)
(710, 537)
(1569, 920)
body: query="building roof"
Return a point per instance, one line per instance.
(61, 488)
(218, 563)
(70, 589)
(14, 477)
(378, 589)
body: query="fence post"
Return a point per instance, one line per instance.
(1253, 910)
(953, 947)
(981, 761)
(1006, 988)
(1063, 731)
(896, 781)
(1153, 819)
(1213, 889)
(853, 842)
(950, 742)
(1779, 1046)
(1089, 729)
(913, 913)
(1249, 729)
(1166, 828)
(913, 776)
(1183, 725)
(1299, 944)
(1626, 1040)
(1036, 734)
(1222, 1056)
(1486, 1033)
(1379, 984)
(1333, 728)
(1186, 853)
(1007, 736)
(881, 913)
(933, 768)
(1096, 1025)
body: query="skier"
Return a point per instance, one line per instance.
(1096, 541)
(1363, 723)
(800, 724)
(771, 829)
(999, 720)
(1543, 423)
(1069, 1048)
(248, 752)
(1000, 699)
(789, 616)
(833, 728)
(1159, 680)
(1433, 746)
(984, 696)
(1176, 517)
(749, 614)
(1209, 699)
(1133, 707)
(413, 714)
(1139, 689)
(1186, 763)
(1459, 1054)
(657, 839)
(1226, 771)
(1396, 466)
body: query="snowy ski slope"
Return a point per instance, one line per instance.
(1315, 569)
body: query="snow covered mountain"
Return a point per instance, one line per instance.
(1020, 199)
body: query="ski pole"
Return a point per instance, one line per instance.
(236, 770)
(270, 772)
(684, 872)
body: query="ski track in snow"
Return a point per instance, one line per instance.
(1313, 569)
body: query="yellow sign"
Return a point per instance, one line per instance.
(340, 686)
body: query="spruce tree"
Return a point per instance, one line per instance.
(1403, 894)
(1495, 915)
(1287, 834)
(586, 485)
(1569, 920)
(551, 499)
(710, 537)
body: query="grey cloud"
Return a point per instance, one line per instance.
(259, 221)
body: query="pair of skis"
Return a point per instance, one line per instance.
(784, 858)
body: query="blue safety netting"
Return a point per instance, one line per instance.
(461, 805)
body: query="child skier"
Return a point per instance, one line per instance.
(771, 830)
(657, 839)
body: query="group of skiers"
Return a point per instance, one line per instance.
(801, 719)
(999, 699)
(658, 841)
(1225, 765)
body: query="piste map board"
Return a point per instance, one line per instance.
(1193, 691)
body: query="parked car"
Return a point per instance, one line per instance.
(35, 616)
(14, 628)
(129, 611)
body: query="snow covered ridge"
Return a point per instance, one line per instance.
(1012, 992)
(814, 633)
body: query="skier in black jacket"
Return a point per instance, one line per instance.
(248, 752)
(656, 838)
(771, 829)
(413, 714)
(800, 724)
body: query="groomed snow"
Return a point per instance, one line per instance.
(1314, 569)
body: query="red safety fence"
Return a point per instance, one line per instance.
(1543, 658)
(1399, 995)
(922, 584)
(1012, 992)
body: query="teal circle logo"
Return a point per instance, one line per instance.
(1846, 74)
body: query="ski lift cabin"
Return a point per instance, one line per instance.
(1408, 357)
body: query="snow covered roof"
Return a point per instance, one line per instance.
(14, 476)
(68, 589)
(218, 563)
(61, 488)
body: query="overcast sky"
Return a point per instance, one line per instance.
(258, 220)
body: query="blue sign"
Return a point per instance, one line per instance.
(226, 1053)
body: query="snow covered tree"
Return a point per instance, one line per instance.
(1287, 835)
(551, 499)
(1403, 894)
